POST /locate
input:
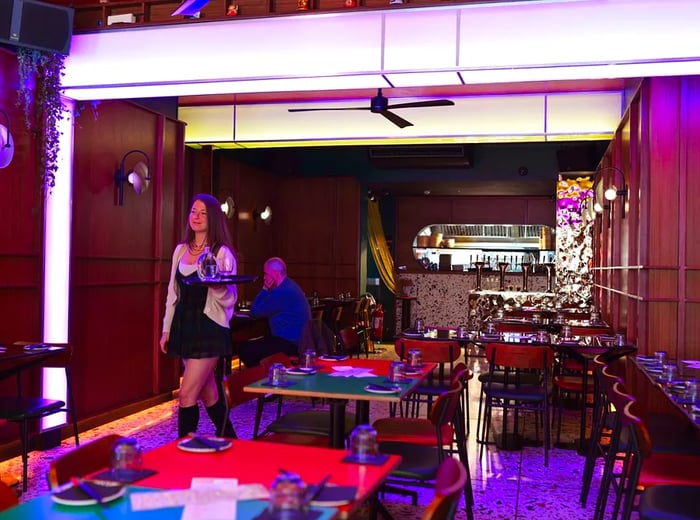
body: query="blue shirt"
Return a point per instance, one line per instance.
(286, 309)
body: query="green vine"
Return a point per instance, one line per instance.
(39, 96)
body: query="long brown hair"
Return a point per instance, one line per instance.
(217, 230)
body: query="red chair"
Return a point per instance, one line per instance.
(524, 328)
(82, 461)
(442, 352)
(516, 389)
(8, 497)
(449, 483)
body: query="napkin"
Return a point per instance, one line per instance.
(346, 371)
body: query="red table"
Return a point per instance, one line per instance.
(260, 462)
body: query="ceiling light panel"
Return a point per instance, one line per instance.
(412, 41)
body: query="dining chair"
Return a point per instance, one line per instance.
(82, 460)
(22, 410)
(449, 485)
(630, 465)
(669, 501)
(515, 327)
(235, 395)
(8, 496)
(420, 462)
(442, 352)
(516, 389)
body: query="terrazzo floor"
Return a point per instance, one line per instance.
(508, 485)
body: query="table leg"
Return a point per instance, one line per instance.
(582, 432)
(337, 426)
(361, 412)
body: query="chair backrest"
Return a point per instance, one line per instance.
(524, 357)
(278, 357)
(82, 460)
(450, 480)
(432, 351)
(590, 331)
(349, 340)
(445, 407)
(317, 336)
(515, 327)
(237, 380)
(8, 496)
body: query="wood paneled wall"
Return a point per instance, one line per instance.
(315, 225)
(648, 264)
(414, 213)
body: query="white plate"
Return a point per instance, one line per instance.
(300, 371)
(65, 496)
(372, 390)
(333, 358)
(36, 348)
(225, 444)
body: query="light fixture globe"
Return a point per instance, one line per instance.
(611, 193)
(7, 145)
(139, 176)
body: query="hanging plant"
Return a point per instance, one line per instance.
(39, 96)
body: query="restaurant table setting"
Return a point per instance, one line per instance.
(679, 380)
(361, 380)
(250, 480)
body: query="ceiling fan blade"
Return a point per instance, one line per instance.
(397, 120)
(417, 104)
(332, 108)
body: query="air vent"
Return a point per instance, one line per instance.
(421, 156)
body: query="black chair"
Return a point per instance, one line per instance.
(420, 462)
(668, 501)
(515, 389)
(22, 410)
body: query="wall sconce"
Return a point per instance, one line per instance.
(7, 146)
(228, 207)
(139, 176)
(265, 215)
(617, 188)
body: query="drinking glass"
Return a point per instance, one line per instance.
(692, 391)
(226, 265)
(415, 358)
(395, 372)
(660, 357)
(363, 442)
(287, 496)
(490, 328)
(126, 459)
(276, 374)
(669, 372)
(309, 359)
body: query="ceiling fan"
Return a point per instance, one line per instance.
(380, 105)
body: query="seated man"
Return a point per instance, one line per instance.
(284, 305)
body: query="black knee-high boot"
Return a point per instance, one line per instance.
(217, 414)
(187, 420)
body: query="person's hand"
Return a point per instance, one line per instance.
(164, 342)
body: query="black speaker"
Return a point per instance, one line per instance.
(37, 25)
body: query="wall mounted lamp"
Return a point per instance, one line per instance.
(7, 146)
(616, 187)
(228, 207)
(139, 176)
(265, 215)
